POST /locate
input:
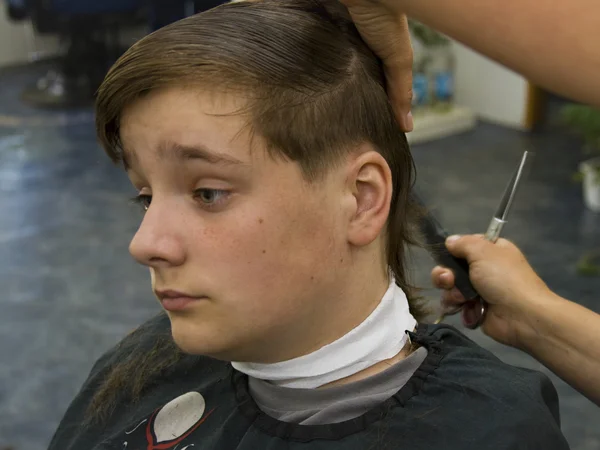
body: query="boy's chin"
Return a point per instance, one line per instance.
(194, 340)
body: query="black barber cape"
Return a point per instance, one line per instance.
(461, 397)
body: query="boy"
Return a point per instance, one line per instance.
(275, 183)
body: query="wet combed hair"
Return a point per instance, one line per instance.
(314, 92)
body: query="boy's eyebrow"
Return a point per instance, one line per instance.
(183, 153)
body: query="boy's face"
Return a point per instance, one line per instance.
(262, 252)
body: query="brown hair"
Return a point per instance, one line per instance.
(314, 91)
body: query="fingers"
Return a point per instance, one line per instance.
(401, 97)
(386, 31)
(398, 71)
(469, 247)
(505, 243)
(475, 247)
(442, 278)
(452, 300)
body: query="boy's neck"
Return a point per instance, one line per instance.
(374, 369)
(370, 345)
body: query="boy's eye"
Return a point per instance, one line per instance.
(143, 200)
(209, 196)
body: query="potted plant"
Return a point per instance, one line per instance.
(585, 121)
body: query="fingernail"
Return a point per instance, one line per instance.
(409, 122)
(453, 238)
(457, 295)
(445, 277)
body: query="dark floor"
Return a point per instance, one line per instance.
(71, 290)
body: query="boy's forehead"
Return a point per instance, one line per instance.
(175, 124)
(169, 150)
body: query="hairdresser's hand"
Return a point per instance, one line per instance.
(504, 278)
(385, 30)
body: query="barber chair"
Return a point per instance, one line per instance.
(16, 10)
(89, 32)
(164, 12)
(204, 5)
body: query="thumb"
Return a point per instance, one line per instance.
(398, 68)
(400, 92)
(470, 247)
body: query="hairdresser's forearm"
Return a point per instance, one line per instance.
(565, 337)
(552, 43)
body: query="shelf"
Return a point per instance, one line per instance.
(431, 125)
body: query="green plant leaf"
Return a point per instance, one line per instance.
(577, 177)
(589, 264)
(584, 121)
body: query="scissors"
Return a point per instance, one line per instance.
(475, 308)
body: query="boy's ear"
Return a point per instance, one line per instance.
(370, 185)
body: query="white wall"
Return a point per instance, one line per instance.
(493, 92)
(18, 42)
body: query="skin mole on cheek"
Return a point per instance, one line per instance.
(260, 220)
(264, 251)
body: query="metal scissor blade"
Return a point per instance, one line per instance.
(512, 187)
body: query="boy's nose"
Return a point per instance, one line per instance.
(156, 241)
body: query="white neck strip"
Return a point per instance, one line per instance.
(380, 336)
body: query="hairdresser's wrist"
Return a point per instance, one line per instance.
(537, 320)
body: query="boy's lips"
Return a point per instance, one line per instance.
(173, 300)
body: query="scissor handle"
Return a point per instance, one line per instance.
(460, 269)
(474, 312)
(435, 236)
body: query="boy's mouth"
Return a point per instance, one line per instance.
(172, 300)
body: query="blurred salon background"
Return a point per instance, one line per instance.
(70, 290)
